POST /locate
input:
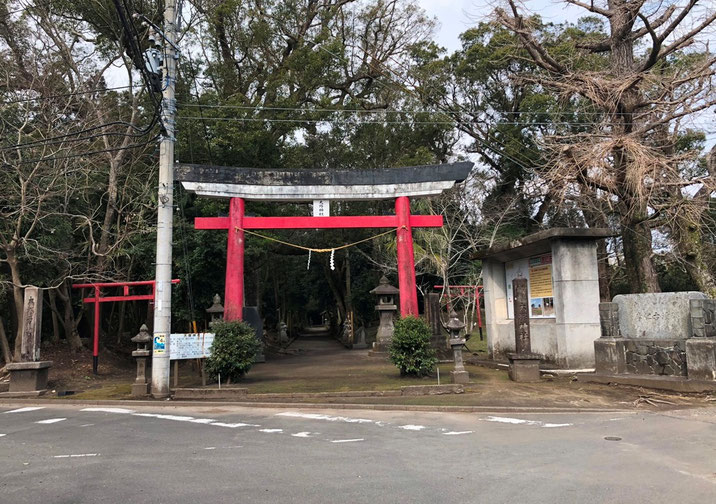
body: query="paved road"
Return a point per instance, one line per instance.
(157, 454)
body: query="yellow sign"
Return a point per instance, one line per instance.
(541, 281)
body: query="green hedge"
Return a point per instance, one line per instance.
(233, 351)
(410, 349)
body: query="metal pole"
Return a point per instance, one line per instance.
(163, 299)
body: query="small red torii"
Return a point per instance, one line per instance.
(97, 299)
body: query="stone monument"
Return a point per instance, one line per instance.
(386, 307)
(454, 327)
(437, 334)
(253, 318)
(140, 387)
(524, 365)
(359, 339)
(29, 376)
(670, 334)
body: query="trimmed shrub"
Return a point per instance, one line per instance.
(233, 351)
(410, 349)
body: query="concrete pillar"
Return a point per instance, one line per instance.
(576, 301)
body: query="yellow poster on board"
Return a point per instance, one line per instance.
(541, 281)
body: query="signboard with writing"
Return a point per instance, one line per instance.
(321, 208)
(190, 346)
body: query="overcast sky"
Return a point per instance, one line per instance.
(455, 16)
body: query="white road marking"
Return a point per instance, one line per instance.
(78, 455)
(123, 411)
(26, 409)
(519, 421)
(412, 427)
(1, 435)
(176, 418)
(347, 440)
(514, 421)
(457, 433)
(271, 431)
(233, 425)
(302, 434)
(87, 425)
(210, 448)
(51, 420)
(316, 416)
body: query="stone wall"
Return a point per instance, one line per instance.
(656, 357)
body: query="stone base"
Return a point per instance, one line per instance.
(609, 356)
(701, 358)
(260, 358)
(211, 393)
(140, 389)
(381, 347)
(524, 367)
(420, 390)
(462, 377)
(671, 383)
(28, 376)
(359, 346)
(31, 393)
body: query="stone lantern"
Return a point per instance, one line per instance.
(216, 310)
(386, 307)
(140, 387)
(454, 327)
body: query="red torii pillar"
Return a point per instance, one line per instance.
(406, 259)
(234, 286)
(236, 222)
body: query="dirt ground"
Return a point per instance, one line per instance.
(314, 364)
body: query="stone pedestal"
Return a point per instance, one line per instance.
(28, 376)
(384, 336)
(140, 387)
(524, 367)
(701, 358)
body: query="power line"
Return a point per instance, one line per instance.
(67, 95)
(89, 153)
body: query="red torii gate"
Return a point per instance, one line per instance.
(97, 298)
(241, 183)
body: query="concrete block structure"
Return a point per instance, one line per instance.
(560, 265)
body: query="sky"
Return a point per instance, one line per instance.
(456, 16)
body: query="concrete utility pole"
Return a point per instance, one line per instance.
(165, 217)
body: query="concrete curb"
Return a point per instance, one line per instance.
(331, 406)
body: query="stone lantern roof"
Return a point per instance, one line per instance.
(216, 307)
(384, 288)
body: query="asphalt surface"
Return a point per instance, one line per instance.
(162, 454)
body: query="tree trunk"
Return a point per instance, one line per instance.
(4, 344)
(636, 240)
(689, 244)
(69, 322)
(120, 329)
(52, 295)
(18, 299)
(603, 271)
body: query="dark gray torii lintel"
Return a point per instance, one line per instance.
(301, 185)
